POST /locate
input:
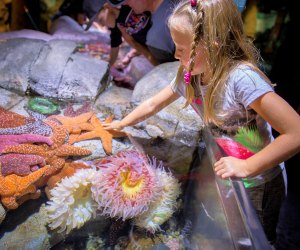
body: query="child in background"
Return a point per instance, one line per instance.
(220, 78)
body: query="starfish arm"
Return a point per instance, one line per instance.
(9, 202)
(19, 164)
(65, 120)
(25, 138)
(55, 164)
(26, 149)
(68, 150)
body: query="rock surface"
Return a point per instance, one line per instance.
(52, 69)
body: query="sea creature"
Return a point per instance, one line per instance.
(35, 125)
(85, 108)
(10, 119)
(42, 105)
(71, 204)
(68, 170)
(20, 164)
(10, 140)
(59, 133)
(13, 187)
(74, 125)
(162, 208)
(99, 132)
(125, 185)
(55, 157)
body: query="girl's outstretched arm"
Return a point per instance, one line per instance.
(285, 120)
(145, 109)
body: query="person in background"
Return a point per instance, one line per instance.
(159, 47)
(115, 18)
(135, 25)
(220, 79)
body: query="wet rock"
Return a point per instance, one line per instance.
(2, 213)
(64, 28)
(30, 234)
(67, 28)
(97, 150)
(25, 33)
(51, 69)
(48, 68)
(91, 78)
(16, 57)
(9, 99)
(114, 101)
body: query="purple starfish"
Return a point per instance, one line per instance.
(20, 164)
(10, 140)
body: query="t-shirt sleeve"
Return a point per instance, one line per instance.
(115, 37)
(115, 33)
(249, 85)
(177, 88)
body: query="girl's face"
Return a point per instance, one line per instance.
(183, 42)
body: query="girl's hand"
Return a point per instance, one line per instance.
(115, 125)
(231, 167)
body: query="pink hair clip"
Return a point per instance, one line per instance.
(193, 3)
(187, 77)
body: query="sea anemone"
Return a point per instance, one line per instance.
(71, 204)
(162, 208)
(125, 185)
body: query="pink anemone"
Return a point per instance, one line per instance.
(125, 184)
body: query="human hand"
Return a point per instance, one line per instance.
(115, 125)
(231, 167)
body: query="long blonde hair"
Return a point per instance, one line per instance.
(219, 27)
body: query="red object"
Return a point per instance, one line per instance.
(235, 149)
(193, 3)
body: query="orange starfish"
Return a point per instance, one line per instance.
(74, 125)
(59, 133)
(13, 187)
(99, 132)
(10, 119)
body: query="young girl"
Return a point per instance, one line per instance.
(220, 78)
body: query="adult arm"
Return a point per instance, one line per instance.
(139, 47)
(113, 55)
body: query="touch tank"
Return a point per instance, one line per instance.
(209, 214)
(62, 193)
